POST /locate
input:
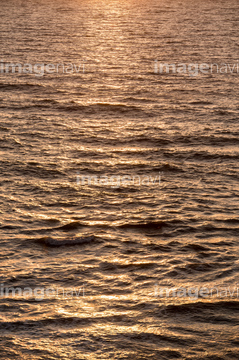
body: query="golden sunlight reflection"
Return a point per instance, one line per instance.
(119, 180)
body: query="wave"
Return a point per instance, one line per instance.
(52, 242)
(206, 311)
(151, 225)
(91, 109)
(20, 86)
(100, 108)
(63, 321)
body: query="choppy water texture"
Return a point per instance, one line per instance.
(119, 118)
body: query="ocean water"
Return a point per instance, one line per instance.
(108, 249)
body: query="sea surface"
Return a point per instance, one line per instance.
(110, 250)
